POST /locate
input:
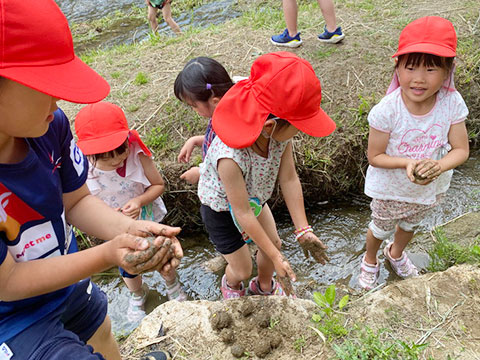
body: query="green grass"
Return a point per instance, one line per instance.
(446, 253)
(141, 78)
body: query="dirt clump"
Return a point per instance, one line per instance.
(221, 320)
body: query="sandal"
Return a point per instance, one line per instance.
(158, 355)
(254, 288)
(175, 291)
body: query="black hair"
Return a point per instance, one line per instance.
(109, 154)
(280, 122)
(200, 79)
(416, 59)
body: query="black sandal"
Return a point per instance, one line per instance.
(158, 355)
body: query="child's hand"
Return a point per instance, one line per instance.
(186, 151)
(410, 169)
(137, 255)
(311, 244)
(284, 274)
(191, 175)
(132, 208)
(426, 171)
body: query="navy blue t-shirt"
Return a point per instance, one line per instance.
(32, 215)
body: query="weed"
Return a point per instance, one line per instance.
(273, 323)
(156, 139)
(446, 253)
(133, 108)
(141, 79)
(116, 74)
(299, 344)
(367, 344)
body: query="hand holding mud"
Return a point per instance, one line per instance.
(425, 171)
(312, 245)
(285, 274)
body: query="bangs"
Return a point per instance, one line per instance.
(427, 60)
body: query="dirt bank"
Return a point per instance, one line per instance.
(354, 75)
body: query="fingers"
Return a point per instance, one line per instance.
(152, 258)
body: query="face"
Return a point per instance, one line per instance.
(204, 108)
(419, 85)
(24, 112)
(112, 163)
(280, 134)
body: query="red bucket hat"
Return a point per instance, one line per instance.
(103, 127)
(281, 84)
(37, 51)
(430, 35)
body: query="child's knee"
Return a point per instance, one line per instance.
(408, 227)
(379, 233)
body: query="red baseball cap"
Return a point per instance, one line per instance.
(103, 127)
(281, 84)
(37, 51)
(430, 35)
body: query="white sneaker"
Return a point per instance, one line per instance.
(368, 274)
(403, 267)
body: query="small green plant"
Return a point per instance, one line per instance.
(273, 323)
(116, 74)
(367, 344)
(141, 79)
(299, 344)
(330, 321)
(156, 139)
(446, 253)
(133, 108)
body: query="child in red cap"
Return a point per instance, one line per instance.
(417, 136)
(255, 122)
(49, 308)
(123, 174)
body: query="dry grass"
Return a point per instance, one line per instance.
(354, 76)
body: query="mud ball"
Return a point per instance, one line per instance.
(263, 320)
(275, 341)
(262, 348)
(237, 350)
(247, 308)
(220, 320)
(227, 336)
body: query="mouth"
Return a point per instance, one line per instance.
(418, 90)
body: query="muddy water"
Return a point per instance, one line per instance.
(340, 225)
(128, 31)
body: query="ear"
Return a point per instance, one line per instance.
(214, 100)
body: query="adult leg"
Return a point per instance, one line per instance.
(103, 341)
(167, 16)
(152, 16)
(328, 12)
(290, 12)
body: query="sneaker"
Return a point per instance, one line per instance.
(175, 292)
(136, 305)
(331, 37)
(158, 355)
(403, 267)
(254, 288)
(368, 274)
(228, 292)
(284, 39)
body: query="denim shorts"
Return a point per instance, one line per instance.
(62, 334)
(222, 231)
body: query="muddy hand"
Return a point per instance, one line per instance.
(285, 274)
(156, 255)
(286, 285)
(312, 245)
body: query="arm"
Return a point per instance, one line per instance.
(293, 195)
(157, 187)
(187, 149)
(232, 179)
(377, 145)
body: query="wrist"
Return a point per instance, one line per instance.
(302, 231)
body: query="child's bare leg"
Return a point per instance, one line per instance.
(328, 12)
(239, 267)
(152, 17)
(401, 240)
(264, 264)
(290, 10)
(167, 16)
(169, 276)
(134, 284)
(103, 341)
(373, 244)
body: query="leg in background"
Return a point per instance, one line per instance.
(167, 16)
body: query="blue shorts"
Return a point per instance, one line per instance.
(222, 231)
(62, 334)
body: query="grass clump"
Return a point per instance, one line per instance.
(446, 253)
(370, 345)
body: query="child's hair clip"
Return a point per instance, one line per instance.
(208, 86)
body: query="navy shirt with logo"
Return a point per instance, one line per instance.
(32, 215)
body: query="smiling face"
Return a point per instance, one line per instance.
(24, 112)
(420, 81)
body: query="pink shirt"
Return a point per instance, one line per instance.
(415, 137)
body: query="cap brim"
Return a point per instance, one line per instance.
(427, 48)
(73, 81)
(238, 118)
(103, 144)
(319, 125)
